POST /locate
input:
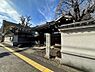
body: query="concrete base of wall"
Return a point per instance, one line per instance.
(85, 64)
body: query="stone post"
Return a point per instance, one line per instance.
(48, 42)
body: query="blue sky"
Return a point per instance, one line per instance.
(39, 10)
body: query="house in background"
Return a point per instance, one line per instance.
(18, 34)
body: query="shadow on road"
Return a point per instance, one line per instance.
(4, 54)
(21, 50)
(16, 49)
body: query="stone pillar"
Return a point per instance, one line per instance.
(48, 42)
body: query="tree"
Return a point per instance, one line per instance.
(22, 19)
(28, 18)
(76, 9)
(25, 20)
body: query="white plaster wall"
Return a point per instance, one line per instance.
(8, 41)
(78, 44)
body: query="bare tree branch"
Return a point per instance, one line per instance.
(77, 12)
(81, 2)
(25, 20)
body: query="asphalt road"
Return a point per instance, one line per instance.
(16, 61)
(11, 63)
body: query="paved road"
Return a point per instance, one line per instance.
(11, 63)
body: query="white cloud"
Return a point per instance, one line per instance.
(46, 13)
(46, 10)
(6, 8)
(2, 18)
(43, 14)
